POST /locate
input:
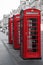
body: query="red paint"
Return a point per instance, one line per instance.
(16, 31)
(10, 40)
(31, 20)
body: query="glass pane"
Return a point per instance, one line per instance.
(32, 37)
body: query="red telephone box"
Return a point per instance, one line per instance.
(30, 34)
(16, 31)
(10, 40)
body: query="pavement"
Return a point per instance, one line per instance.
(10, 56)
(5, 56)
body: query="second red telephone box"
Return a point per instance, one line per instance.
(30, 34)
(10, 40)
(16, 31)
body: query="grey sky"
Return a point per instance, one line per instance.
(7, 5)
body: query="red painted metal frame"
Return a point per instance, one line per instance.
(16, 31)
(25, 53)
(10, 40)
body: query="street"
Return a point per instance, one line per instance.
(10, 56)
